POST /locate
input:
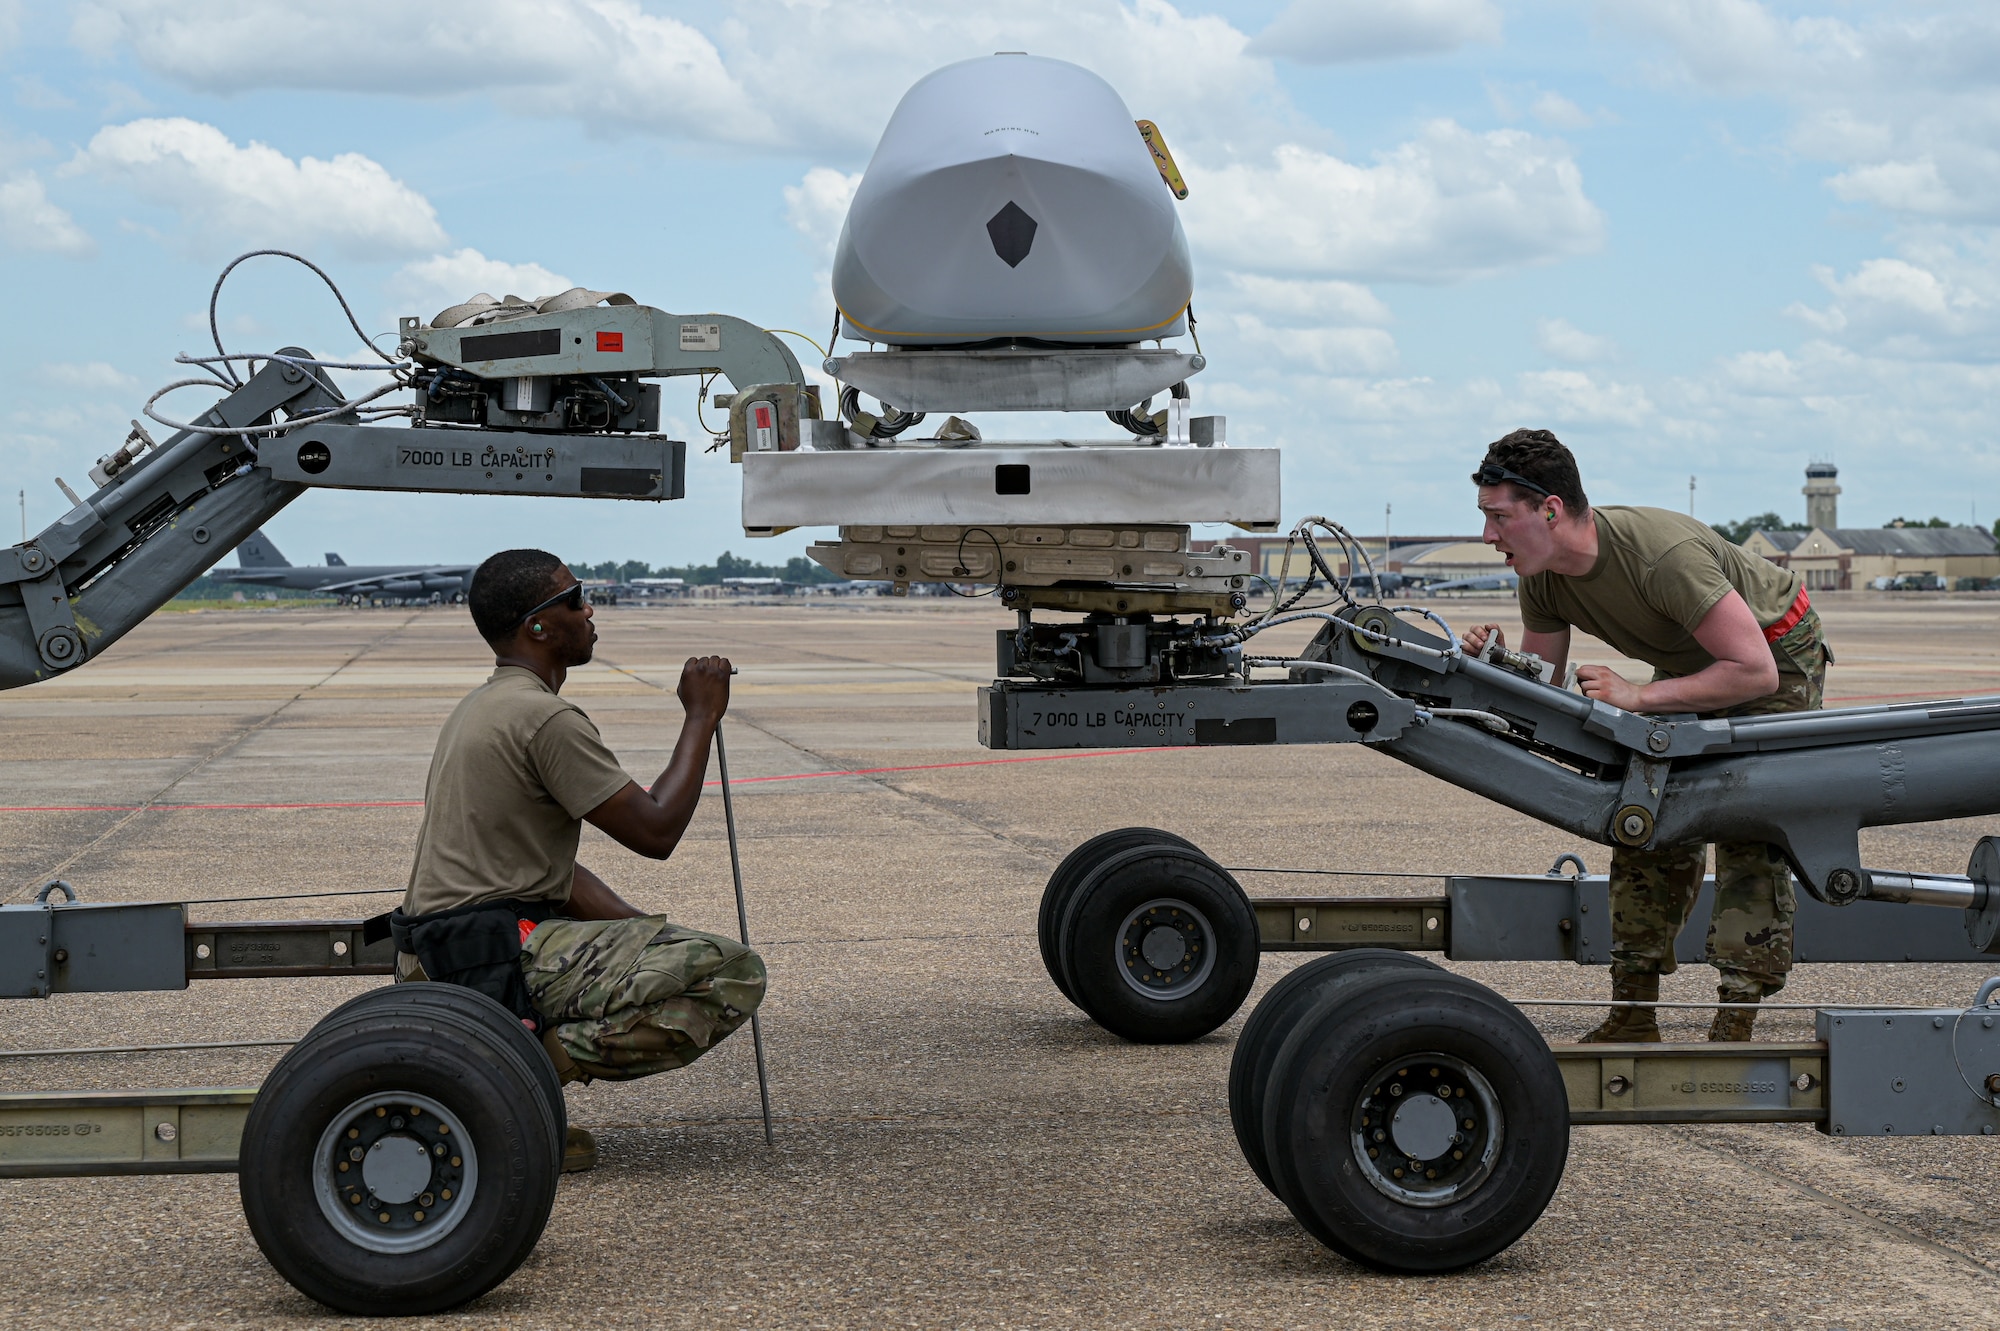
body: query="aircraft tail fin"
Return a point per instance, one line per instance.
(258, 552)
(335, 561)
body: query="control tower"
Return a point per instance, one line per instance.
(1822, 494)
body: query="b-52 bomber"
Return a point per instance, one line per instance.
(261, 564)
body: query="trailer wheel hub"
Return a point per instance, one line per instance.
(1427, 1129)
(394, 1172)
(1166, 948)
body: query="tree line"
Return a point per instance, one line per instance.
(796, 569)
(1739, 531)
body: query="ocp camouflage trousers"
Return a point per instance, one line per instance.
(629, 998)
(1750, 930)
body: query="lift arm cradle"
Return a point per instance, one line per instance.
(158, 524)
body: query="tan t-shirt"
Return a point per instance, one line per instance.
(1657, 574)
(515, 771)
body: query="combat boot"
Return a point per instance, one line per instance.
(579, 1151)
(1734, 1023)
(1630, 1025)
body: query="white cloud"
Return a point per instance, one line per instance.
(1316, 32)
(1564, 341)
(256, 194)
(29, 221)
(1336, 351)
(1902, 187)
(817, 207)
(1296, 301)
(96, 374)
(607, 62)
(1944, 306)
(1559, 112)
(1901, 101)
(1575, 396)
(771, 74)
(444, 280)
(1447, 205)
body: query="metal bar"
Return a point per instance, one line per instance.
(479, 461)
(1923, 889)
(743, 924)
(1859, 724)
(1695, 1083)
(1333, 924)
(278, 949)
(83, 1050)
(65, 1134)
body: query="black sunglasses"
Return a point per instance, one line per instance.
(1492, 473)
(572, 593)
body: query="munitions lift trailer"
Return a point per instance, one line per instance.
(1148, 935)
(1409, 1118)
(402, 1157)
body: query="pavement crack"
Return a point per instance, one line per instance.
(1889, 1228)
(931, 805)
(220, 751)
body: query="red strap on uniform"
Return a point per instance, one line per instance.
(527, 927)
(1783, 626)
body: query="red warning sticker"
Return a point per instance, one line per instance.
(611, 341)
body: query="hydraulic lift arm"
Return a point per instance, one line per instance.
(547, 404)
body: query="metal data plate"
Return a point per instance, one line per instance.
(1038, 717)
(53, 1134)
(354, 457)
(1017, 486)
(1695, 1083)
(279, 948)
(1910, 1074)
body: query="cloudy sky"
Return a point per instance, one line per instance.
(1695, 237)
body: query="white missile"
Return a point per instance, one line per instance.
(1012, 197)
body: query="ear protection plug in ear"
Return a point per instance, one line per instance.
(534, 628)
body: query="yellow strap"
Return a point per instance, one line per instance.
(1163, 159)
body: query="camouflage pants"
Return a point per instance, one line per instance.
(1750, 930)
(629, 998)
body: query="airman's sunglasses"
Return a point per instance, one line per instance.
(1492, 473)
(572, 594)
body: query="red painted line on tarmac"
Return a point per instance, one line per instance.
(739, 781)
(134, 808)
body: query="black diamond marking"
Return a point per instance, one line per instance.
(1012, 232)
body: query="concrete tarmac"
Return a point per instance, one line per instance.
(956, 1144)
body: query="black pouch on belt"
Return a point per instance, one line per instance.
(477, 946)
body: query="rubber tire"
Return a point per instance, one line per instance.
(1099, 906)
(1076, 866)
(486, 1015)
(425, 1048)
(1318, 1073)
(1264, 1033)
